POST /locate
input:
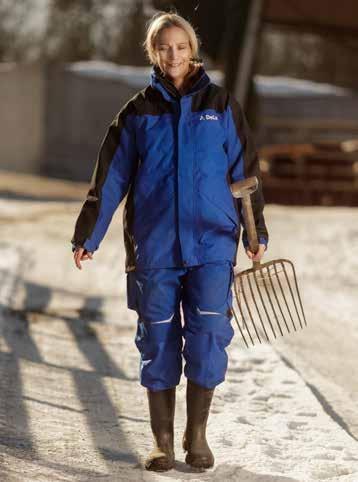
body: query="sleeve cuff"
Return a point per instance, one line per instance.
(261, 240)
(90, 246)
(264, 241)
(75, 246)
(87, 245)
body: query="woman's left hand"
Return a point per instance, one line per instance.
(258, 255)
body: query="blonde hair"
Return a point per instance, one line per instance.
(162, 20)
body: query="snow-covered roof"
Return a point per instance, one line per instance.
(288, 86)
(138, 77)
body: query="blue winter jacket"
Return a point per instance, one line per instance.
(174, 157)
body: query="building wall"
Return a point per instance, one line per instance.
(21, 117)
(79, 111)
(52, 119)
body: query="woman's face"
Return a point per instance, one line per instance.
(173, 52)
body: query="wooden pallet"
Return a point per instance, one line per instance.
(322, 173)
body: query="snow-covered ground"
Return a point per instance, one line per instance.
(71, 407)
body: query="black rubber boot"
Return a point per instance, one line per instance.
(161, 410)
(198, 401)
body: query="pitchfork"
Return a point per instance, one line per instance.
(267, 292)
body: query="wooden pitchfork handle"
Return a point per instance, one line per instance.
(243, 190)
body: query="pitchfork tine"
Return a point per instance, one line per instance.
(263, 304)
(257, 309)
(248, 309)
(298, 293)
(274, 292)
(289, 285)
(269, 297)
(238, 324)
(284, 297)
(242, 314)
(278, 303)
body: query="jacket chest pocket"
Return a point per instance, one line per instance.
(208, 132)
(209, 145)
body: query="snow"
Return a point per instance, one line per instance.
(90, 419)
(135, 76)
(138, 77)
(288, 86)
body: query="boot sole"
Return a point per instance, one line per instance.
(159, 465)
(198, 462)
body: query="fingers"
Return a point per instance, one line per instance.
(79, 256)
(88, 255)
(258, 255)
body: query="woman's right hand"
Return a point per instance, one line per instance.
(80, 254)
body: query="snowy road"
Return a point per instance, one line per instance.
(71, 407)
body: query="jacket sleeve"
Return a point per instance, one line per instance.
(244, 163)
(113, 173)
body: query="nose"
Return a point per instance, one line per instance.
(173, 53)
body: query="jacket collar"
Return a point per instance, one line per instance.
(199, 80)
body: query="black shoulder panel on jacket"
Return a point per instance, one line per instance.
(240, 124)
(213, 97)
(150, 101)
(251, 162)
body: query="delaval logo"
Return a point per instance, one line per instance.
(208, 117)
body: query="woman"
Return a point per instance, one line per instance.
(174, 148)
